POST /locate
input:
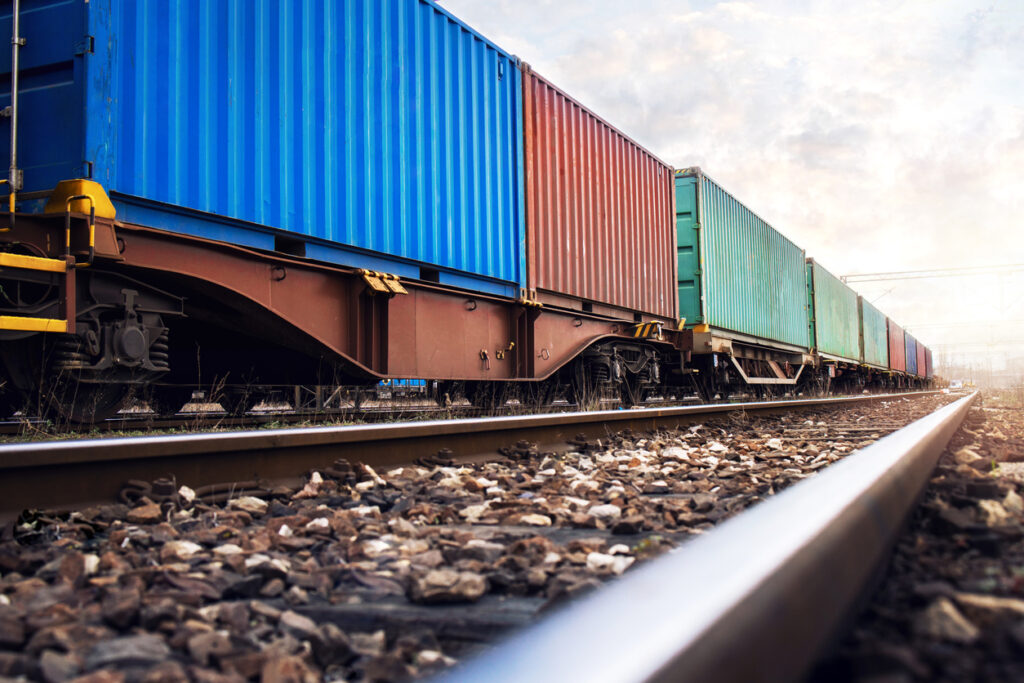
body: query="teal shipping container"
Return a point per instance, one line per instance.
(834, 329)
(874, 337)
(737, 274)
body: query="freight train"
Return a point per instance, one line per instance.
(245, 194)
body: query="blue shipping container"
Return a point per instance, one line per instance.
(911, 355)
(386, 133)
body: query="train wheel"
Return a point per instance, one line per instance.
(52, 392)
(583, 390)
(11, 401)
(631, 393)
(83, 402)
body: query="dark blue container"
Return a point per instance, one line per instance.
(380, 133)
(911, 355)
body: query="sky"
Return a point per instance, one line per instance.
(879, 136)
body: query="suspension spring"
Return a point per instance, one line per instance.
(159, 352)
(67, 353)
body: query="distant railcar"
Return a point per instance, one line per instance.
(897, 348)
(911, 346)
(835, 323)
(741, 287)
(874, 336)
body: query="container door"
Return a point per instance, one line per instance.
(812, 336)
(50, 117)
(688, 250)
(860, 328)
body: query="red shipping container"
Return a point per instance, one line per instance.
(897, 348)
(600, 222)
(922, 361)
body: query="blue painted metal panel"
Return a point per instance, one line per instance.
(911, 355)
(51, 92)
(383, 125)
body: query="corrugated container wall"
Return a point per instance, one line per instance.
(836, 321)
(383, 125)
(911, 344)
(922, 360)
(931, 368)
(874, 335)
(897, 348)
(599, 207)
(736, 273)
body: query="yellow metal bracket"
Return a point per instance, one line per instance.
(393, 283)
(80, 188)
(21, 324)
(383, 283)
(529, 303)
(528, 298)
(92, 227)
(500, 353)
(46, 265)
(647, 330)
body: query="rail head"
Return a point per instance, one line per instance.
(77, 473)
(18, 455)
(755, 599)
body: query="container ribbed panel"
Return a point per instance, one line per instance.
(875, 334)
(751, 278)
(836, 321)
(385, 125)
(911, 347)
(897, 348)
(599, 207)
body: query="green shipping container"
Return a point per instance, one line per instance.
(737, 274)
(874, 344)
(834, 329)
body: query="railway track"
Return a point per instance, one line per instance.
(756, 600)
(77, 472)
(213, 417)
(382, 576)
(217, 419)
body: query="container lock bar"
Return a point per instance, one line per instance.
(10, 209)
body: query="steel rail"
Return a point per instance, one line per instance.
(72, 473)
(220, 420)
(757, 598)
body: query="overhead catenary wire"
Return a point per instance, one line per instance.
(934, 273)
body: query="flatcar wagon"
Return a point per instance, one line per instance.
(313, 194)
(230, 196)
(741, 289)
